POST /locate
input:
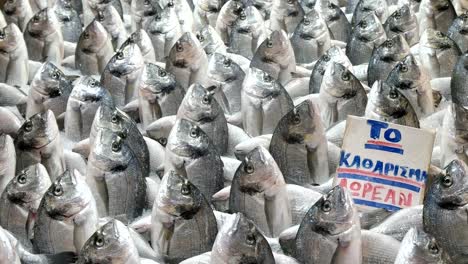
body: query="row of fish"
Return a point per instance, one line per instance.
(196, 131)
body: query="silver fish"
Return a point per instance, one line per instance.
(18, 12)
(436, 15)
(454, 134)
(69, 19)
(299, 146)
(7, 161)
(142, 39)
(210, 41)
(183, 11)
(398, 224)
(142, 13)
(227, 16)
(336, 20)
(113, 23)
(365, 7)
(182, 224)
(403, 21)
(11, 95)
(206, 13)
(378, 248)
(458, 82)
(9, 121)
(458, 31)
(14, 68)
(285, 15)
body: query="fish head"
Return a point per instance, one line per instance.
(377, 7)
(222, 69)
(406, 74)
(186, 50)
(111, 152)
(459, 92)
(43, 23)
(126, 60)
(144, 8)
(249, 21)
(435, 39)
(423, 246)
(332, 214)
(274, 48)
(10, 37)
(93, 38)
(12, 7)
(241, 241)
(302, 124)
(199, 105)
(160, 129)
(178, 197)
(28, 185)
(88, 91)
(37, 131)
(51, 82)
(188, 140)
(369, 28)
(388, 100)
(258, 171)
(339, 82)
(392, 50)
(399, 20)
(156, 82)
(163, 21)
(111, 243)
(211, 9)
(210, 40)
(311, 26)
(261, 83)
(67, 196)
(110, 117)
(450, 188)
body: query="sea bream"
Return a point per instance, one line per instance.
(14, 59)
(18, 12)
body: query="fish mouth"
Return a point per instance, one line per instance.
(306, 36)
(10, 12)
(295, 138)
(181, 63)
(405, 85)
(244, 31)
(250, 189)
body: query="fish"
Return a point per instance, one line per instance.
(200, 107)
(160, 129)
(122, 73)
(110, 19)
(385, 57)
(264, 6)
(187, 61)
(205, 13)
(50, 89)
(458, 81)
(458, 31)
(14, 69)
(378, 248)
(183, 224)
(258, 191)
(141, 38)
(436, 15)
(400, 222)
(159, 94)
(275, 55)
(94, 49)
(412, 81)
(444, 203)
(332, 225)
(299, 146)
(454, 134)
(190, 151)
(164, 31)
(365, 7)
(403, 21)
(184, 13)
(18, 12)
(225, 78)
(11, 96)
(248, 31)
(311, 39)
(388, 104)
(142, 12)
(438, 53)
(21, 197)
(10, 122)
(264, 101)
(96, 5)
(418, 246)
(39, 140)
(115, 171)
(227, 17)
(86, 97)
(341, 94)
(367, 34)
(336, 20)
(210, 41)
(333, 54)
(8, 251)
(69, 19)
(285, 15)
(43, 37)
(7, 160)
(240, 241)
(3, 22)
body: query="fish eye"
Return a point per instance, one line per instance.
(86, 35)
(393, 93)
(2, 34)
(170, 4)
(249, 168)
(326, 57)
(227, 63)
(269, 43)
(99, 241)
(206, 99)
(55, 75)
(123, 133)
(185, 189)
(114, 118)
(363, 24)
(120, 55)
(162, 73)
(194, 132)
(250, 239)
(296, 119)
(116, 145)
(389, 44)
(162, 141)
(267, 78)
(147, 2)
(21, 178)
(57, 191)
(200, 37)
(28, 126)
(439, 34)
(35, 18)
(326, 206)
(242, 15)
(345, 77)
(306, 22)
(447, 180)
(179, 47)
(433, 248)
(403, 67)
(92, 83)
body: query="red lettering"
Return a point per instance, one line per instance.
(390, 196)
(367, 189)
(344, 183)
(376, 193)
(355, 186)
(405, 200)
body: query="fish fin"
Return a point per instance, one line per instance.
(62, 257)
(142, 224)
(131, 107)
(222, 195)
(82, 147)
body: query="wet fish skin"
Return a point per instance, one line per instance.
(333, 54)
(205, 13)
(184, 13)
(387, 103)
(160, 129)
(415, 85)
(418, 246)
(7, 160)
(331, 225)
(200, 106)
(458, 81)
(86, 97)
(299, 146)
(181, 206)
(458, 31)
(44, 38)
(240, 241)
(453, 134)
(367, 34)
(38, 140)
(190, 151)
(21, 197)
(141, 38)
(18, 12)
(436, 15)
(398, 224)
(403, 21)
(7, 249)
(385, 57)
(378, 248)
(69, 20)
(210, 41)
(11, 96)
(264, 102)
(110, 19)
(366, 7)
(9, 122)
(285, 15)
(159, 94)
(94, 49)
(444, 204)
(338, 24)
(142, 12)
(227, 16)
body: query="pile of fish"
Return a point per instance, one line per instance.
(209, 131)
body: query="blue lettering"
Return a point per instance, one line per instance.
(376, 126)
(367, 163)
(415, 173)
(392, 135)
(404, 170)
(388, 167)
(356, 162)
(378, 167)
(344, 159)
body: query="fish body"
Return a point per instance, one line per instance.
(458, 32)
(336, 20)
(7, 160)
(403, 21)
(18, 12)
(110, 19)
(69, 19)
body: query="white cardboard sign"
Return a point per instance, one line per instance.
(384, 165)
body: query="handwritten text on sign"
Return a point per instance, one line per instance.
(384, 165)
